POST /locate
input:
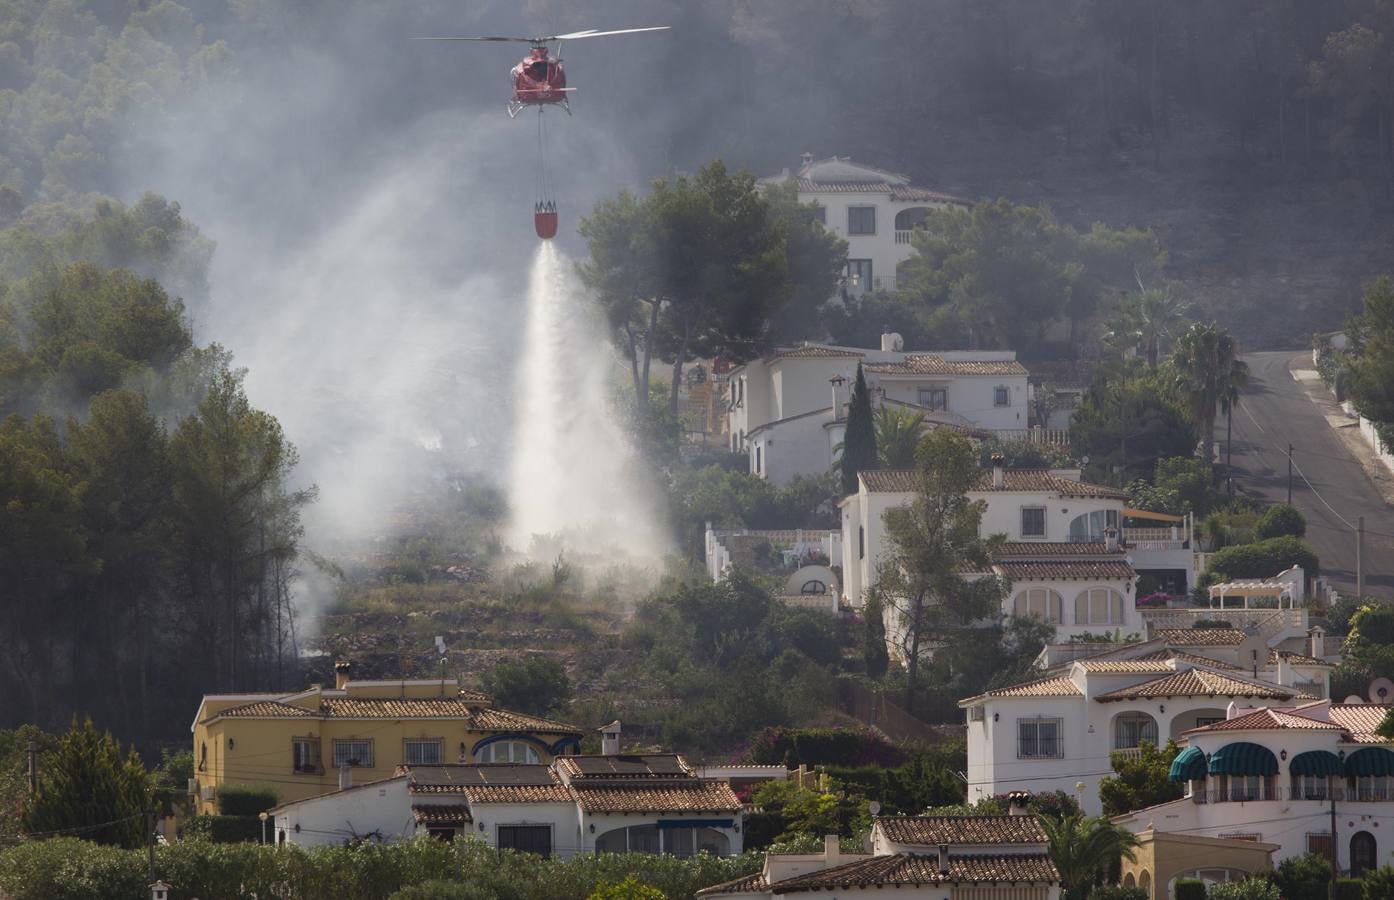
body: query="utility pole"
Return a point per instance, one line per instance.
(1335, 867)
(150, 833)
(1289, 474)
(33, 766)
(1359, 552)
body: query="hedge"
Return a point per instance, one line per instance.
(73, 869)
(1187, 889)
(223, 829)
(1350, 889)
(1280, 520)
(246, 799)
(1117, 892)
(1263, 559)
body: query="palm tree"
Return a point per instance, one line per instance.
(1083, 848)
(1156, 315)
(1208, 371)
(898, 433)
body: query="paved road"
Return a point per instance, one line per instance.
(1275, 411)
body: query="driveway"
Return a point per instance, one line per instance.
(1274, 411)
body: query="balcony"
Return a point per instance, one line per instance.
(902, 235)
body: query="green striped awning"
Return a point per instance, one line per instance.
(1315, 762)
(1189, 765)
(1244, 758)
(1370, 761)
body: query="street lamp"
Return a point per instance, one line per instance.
(263, 817)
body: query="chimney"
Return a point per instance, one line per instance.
(839, 383)
(832, 850)
(891, 342)
(1016, 803)
(341, 673)
(805, 158)
(999, 474)
(610, 738)
(943, 859)
(1111, 539)
(345, 776)
(1316, 643)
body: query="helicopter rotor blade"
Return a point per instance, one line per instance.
(576, 35)
(514, 40)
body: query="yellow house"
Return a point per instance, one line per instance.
(318, 740)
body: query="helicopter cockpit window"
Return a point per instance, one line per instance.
(538, 70)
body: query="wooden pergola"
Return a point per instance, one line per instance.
(1252, 589)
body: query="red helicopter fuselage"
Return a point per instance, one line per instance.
(539, 79)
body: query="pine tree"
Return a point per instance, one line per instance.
(859, 443)
(86, 790)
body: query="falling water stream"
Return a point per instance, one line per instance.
(574, 479)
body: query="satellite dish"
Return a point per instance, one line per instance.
(874, 807)
(1353, 700)
(1381, 690)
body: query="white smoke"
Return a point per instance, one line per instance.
(574, 474)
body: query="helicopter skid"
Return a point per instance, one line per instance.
(516, 106)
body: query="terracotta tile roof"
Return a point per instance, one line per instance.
(935, 830)
(1198, 683)
(1296, 659)
(494, 719)
(907, 194)
(750, 884)
(1052, 549)
(814, 351)
(518, 793)
(1202, 637)
(1073, 570)
(893, 481)
(931, 364)
(265, 709)
(1138, 666)
(699, 796)
(1057, 686)
(476, 718)
(442, 814)
(904, 869)
(1360, 719)
(1267, 719)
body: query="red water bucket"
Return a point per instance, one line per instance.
(546, 224)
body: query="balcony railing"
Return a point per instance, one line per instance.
(1317, 794)
(902, 235)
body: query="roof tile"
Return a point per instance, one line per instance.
(1056, 686)
(1361, 719)
(1052, 549)
(1202, 637)
(932, 364)
(1198, 683)
(1266, 719)
(890, 481)
(441, 814)
(905, 869)
(700, 796)
(1070, 570)
(814, 351)
(935, 830)
(748, 884)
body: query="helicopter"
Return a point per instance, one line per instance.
(540, 81)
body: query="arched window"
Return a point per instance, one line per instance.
(1090, 526)
(1364, 853)
(1130, 729)
(507, 752)
(911, 218)
(1038, 603)
(813, 587)
(1099, 606)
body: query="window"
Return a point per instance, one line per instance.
(934, 398)
(441, 832)
(861, 220)
(861, 542)
(305, 755)
(1131, 729)
(426, 752)
(355, 752)
(1370, 787)
(977, 714)
(1309, 787)
(1039, 739)
(1099, 606)
(757, 459)
(1090, 526)
(507, 752)
(820, 213)
(1202, 721)
(1039, 603)
(858, 275)
(526, 838)
(1001, 397)
(1319, 842)
(1033, 524)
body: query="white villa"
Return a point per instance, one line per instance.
(875, 211)
(613, 803)
(921, 858)
(1285, 775)
(1057, 732)
(788, 410)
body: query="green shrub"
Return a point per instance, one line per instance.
(1117, 892)
(1263, 559)
(1379, 884)
(1305, 877)
(1187, 889)
(445, 890)
(822, 747)
(1249, 889)
(246, 799)
(1279, 521)
(1351, 889)
(223, 829)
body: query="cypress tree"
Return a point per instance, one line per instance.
(859, 443)
(86, 790)
(874, 652)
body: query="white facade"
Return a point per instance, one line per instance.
(380, 810)
(1057, 733)
(1290, 810)
(787, 411)
(875, 211)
